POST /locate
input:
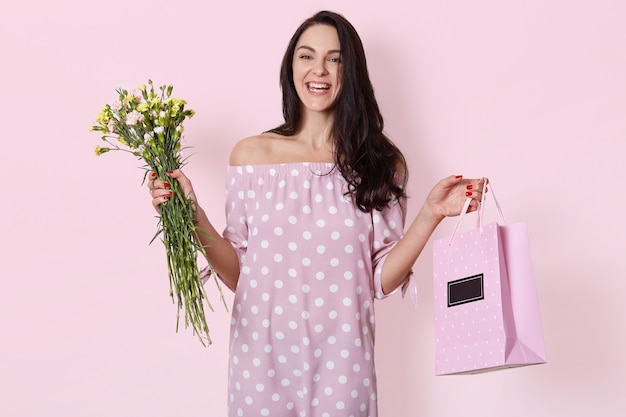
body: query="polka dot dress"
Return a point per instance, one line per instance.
(302, 328)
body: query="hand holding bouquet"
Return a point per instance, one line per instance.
(149, 125)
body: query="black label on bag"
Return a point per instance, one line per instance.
(465, 290)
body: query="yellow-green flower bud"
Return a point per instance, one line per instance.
(100, 151)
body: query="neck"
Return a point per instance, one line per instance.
(316, 129)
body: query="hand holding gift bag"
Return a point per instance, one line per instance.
(486, 308)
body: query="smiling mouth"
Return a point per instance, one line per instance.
(318, 87)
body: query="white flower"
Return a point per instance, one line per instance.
(116, 106)
(133, 118)
(159, 129)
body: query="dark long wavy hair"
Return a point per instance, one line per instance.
(364, 155)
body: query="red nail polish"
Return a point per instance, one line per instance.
(170, 172)
(459, 176)
(468, 194)
(153, 175)
(166, 185)
(167, 197)
(470, 186)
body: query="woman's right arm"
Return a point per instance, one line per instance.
(220, 253)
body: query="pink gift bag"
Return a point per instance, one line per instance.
(486, 308)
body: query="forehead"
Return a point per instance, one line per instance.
(319, 37)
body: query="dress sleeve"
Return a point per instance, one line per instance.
(236, 230)
(388, 229)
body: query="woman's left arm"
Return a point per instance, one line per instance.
(445, 199)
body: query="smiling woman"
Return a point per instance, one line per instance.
(315, 232)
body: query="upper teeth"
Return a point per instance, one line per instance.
(318, 85)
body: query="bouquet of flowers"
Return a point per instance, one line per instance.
(149, 125)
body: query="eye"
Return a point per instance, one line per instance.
(335, 60)
(305, 57)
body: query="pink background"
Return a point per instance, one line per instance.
(529, 93)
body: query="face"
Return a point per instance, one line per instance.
(317, 68)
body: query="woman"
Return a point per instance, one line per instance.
(315, 232)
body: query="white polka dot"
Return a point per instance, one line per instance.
(282, 184)
(319, 198)
(265, 412)
(349, 222)
(292, 219)
(279, 206)
(340, 405)
(292, 272)
(293, 299)
(278, 310)
(306, 209)
(268, 195)
(334, 262)
(347, 302)
(307, 184)
(332, 210)
(319, 276)
(335, 235)
(306, 288)
(320, 223)
(278, 257)
(306, 261)
(319, 302)
(260, 387)
(293, 195)
(295, 172)
(349, 248)
(333, 288)
(251, 194)
(278, 231)
(265, 244)
(332, 340)
(320, 249)
(307, 235)
(292, 246)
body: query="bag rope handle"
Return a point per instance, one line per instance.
(481, 210)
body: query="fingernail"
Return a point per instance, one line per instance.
(153, 175)
(459, 176)
(468, 194)
(470, 186)
(166, 185)
(166, 197)
(170, 172)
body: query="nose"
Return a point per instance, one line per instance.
(320, 67)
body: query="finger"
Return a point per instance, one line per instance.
(161, 196)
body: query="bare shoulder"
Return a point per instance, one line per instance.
(253, 150)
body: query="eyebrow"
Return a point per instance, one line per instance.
(308, 48)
